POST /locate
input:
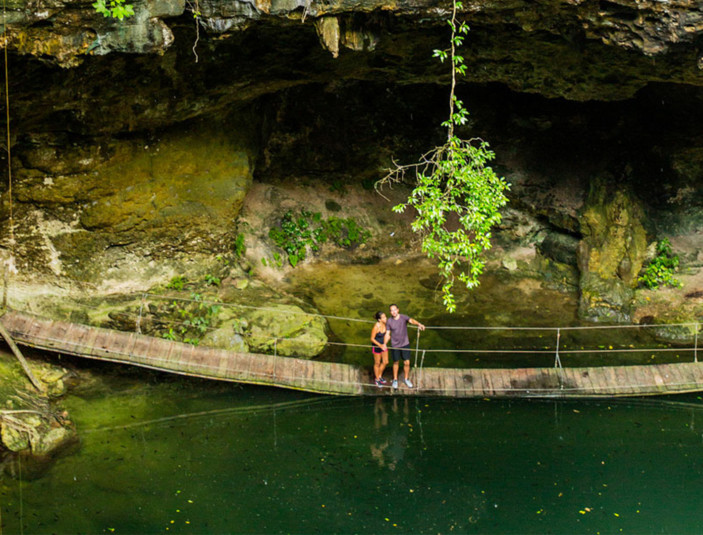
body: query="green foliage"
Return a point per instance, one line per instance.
(116, 9)
(458, 196)
(660, 271)
(177, 283)
(190, 319)
(239, 247)
(299, 234)
(211, 280)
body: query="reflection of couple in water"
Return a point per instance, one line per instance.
(391, 437)
(395, 331)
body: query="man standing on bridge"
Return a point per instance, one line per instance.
(397, 333)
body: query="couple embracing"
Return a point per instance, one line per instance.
(395, 331)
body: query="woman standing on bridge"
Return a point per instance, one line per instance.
(380, 350)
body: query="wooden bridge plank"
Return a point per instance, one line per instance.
(16, 324)
(233, 363)
(298, 372)
(606, 381)
(465, 383)
(688, 372)
(598, 380)
(637, 379)
(121, 345)
(168, 358)
(450, 387)
(658, 378)
(621, 381)
(35, 330)
(648, 377)
(696, 372)
(486, 384)
(483, 385)
(211, 361)
(432, 384)
(224, 360)
(262, 369)
(431, 381)
(441, 382)
(202, 361)
(677, 379)
(78, 337)
(140, 347)
(611, 379)
(580, 386)
(507, 383)
(550, 380)
(455, 384)
(241, 368)
(346, 374)
(321, 377)
(336, 378)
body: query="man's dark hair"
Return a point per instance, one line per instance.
(393, 305)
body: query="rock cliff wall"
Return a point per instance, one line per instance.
(135, 143)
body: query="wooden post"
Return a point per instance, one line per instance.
(695, 345)
(16, 350)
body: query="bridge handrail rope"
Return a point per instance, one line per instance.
(265, 375)
(558, 351)
(417, 350)
(430, 327)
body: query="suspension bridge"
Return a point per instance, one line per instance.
(133, 348)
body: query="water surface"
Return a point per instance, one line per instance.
(181, 456)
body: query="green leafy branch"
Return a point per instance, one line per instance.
(457, 195)
(117, 9)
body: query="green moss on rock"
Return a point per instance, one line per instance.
(611, 253)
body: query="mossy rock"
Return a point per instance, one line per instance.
(228, 333)
(286, 330)
(611, 253)
(54, 441)
(13, 439)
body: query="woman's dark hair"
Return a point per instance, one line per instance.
(378, 315)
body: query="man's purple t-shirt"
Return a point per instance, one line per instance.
(399, 330)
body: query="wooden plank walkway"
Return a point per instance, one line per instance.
(345, 379)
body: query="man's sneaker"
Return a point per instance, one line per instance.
(395, 384)
(408, 383)
(382, 381)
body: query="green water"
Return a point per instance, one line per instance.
(181, 456)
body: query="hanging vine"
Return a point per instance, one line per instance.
(457, 196)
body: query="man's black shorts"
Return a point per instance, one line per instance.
(400, 353)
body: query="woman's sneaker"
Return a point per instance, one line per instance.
(383, 381)
(378, 382)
